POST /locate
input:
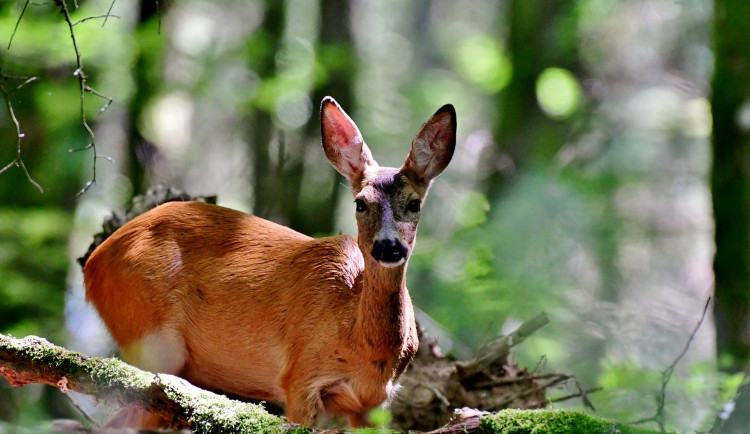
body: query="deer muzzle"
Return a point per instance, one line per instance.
(389, 252)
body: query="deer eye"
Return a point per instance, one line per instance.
(414, 206)
(361, 205)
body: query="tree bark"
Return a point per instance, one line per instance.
(35, 360)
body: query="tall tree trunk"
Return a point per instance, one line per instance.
(524, 133)
(141, 151)
(730, 180)
(730, 188)
(335, 41)
(261, 123)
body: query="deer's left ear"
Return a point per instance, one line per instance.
(432, 148)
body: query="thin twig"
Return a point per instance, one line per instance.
(503, 381)
(109, 11)
(94, 17)
(581, 392)
(84, 88)
(584, 395)
(158, 12)
(81, 409)
(18, 21)
(666, 375)
(438, 394)
(554, 382)
(26, 81)
(542, 361)
(101, 95)
(555, 379)
(18, 161)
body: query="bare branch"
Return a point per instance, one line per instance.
(101, 95)
(84, 88)
(18, 161)
(580, 393)
(28, 80)
(499, 348)
(95, 17)
(18, 21)
(109, 11)
(84, 148)
(79, 408)
(666, 375)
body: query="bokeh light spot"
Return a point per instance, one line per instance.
(558, 92)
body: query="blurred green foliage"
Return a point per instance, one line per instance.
(482, 61)
(33, 266)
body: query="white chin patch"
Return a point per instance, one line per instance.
(392, 264)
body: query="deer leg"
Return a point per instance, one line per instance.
(301, 408)
(358, 420)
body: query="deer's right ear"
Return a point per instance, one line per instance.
(342, 141)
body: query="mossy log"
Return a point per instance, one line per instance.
(35, 360)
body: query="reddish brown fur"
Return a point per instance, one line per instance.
(239, 304)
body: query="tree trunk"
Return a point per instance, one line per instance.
(730, 180)
(265, 186)
(730, 188)
(335, 49)
(524, 133)
(140, 151)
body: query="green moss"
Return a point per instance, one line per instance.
(114, 379)
(551, 421)
(217, 413)
(114, 373)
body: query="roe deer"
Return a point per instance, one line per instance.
(238, 304)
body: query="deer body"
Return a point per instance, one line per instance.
(235, 303)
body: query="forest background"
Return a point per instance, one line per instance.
(581, 185)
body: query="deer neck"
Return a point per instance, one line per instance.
(384, 310)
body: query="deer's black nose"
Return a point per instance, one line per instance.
(388, 251)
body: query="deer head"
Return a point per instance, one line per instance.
(388, 200)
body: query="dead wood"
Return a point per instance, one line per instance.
(435, 385)
(35, 360)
